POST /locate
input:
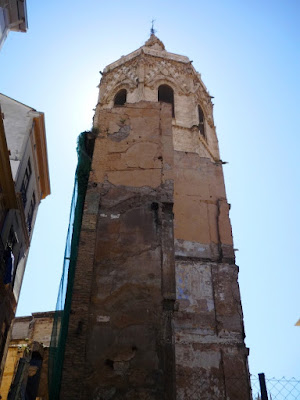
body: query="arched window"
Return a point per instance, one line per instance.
(201, 121)
(120, 97)
(166, 94)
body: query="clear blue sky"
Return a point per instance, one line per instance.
(248, 55)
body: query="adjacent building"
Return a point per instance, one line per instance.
(24, 182)
(13, 17)
(155, 309)
(26, 367)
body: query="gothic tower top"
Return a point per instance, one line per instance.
(153, 74)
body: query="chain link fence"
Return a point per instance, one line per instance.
(264, 388)
(238, 388)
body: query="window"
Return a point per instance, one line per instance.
(201, 121)
(30, 212)
(25, 182)
(27, 174)
(11, 240)
(120, 97)
(166, 95)
(15, 267)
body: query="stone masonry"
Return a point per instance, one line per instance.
(156, 310)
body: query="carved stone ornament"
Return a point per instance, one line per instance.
(125, 75)
(165, 69)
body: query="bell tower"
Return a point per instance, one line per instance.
(156, 310)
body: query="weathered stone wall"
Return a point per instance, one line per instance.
(211, 358)
(202, 225)
(122, 310)
(124, 288)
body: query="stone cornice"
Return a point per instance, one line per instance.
(41, 149)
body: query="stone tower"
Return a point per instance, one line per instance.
(156, 311)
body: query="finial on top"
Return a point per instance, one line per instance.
(153, 41)
(152, 30)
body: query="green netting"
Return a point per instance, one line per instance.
(85, 147)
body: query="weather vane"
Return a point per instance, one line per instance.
(152, 30)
